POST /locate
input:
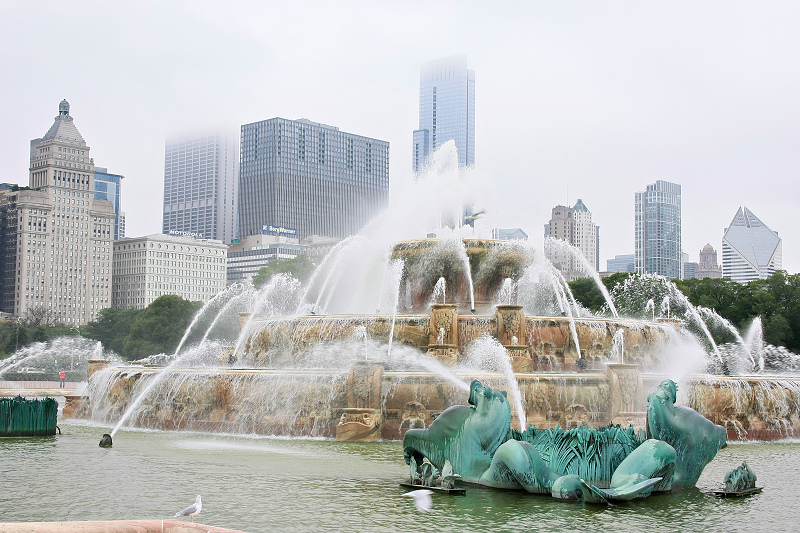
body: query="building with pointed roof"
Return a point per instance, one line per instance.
(573, 225)
(750, 250)
(55, 236)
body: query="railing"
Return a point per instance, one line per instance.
(30, 385)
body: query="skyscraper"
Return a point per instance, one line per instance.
(446, 110)
(573, 225)
(658, 230)
(310, 178)
(201, 186)
(55, 237)
(107, 187)
(750, 250)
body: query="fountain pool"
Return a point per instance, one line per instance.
(254, 483)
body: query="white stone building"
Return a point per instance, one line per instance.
(154, 265)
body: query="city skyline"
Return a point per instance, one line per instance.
(562, 106)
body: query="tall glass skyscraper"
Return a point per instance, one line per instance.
(303, 178)
(201, 187)
(107, 187)
(658, 230)
(446, 110)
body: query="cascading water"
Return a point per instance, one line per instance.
(486, 353)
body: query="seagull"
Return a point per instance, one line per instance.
(194, 509)
(422, 499)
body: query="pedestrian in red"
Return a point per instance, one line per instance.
(63, 377)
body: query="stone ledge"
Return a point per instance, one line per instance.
(112, 526)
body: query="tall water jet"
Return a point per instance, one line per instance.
(754, 341)
(576, 255)
(487, 354)
(440, 291)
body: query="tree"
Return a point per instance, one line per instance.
(159, 327)
(587, 293)
(300, 267)
(112, 327)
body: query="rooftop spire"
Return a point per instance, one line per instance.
(63, 107)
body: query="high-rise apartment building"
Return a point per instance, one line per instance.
(750, 250)
(573, 225)
(658, 230)
(309, 177)
(107, 187)
(201, 186)
(708, 267)
(446, 110)
(55, 236)
(152, 266)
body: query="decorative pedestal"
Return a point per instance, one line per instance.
(520, 357)
(510, 325)
(628, 399)
(443, 339)
(361, 419)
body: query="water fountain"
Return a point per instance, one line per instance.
(384, 336)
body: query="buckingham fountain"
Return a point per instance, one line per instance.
(392, 328)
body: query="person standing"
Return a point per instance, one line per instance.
(63, 377)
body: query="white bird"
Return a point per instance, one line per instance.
(422, 499)
(193, 510)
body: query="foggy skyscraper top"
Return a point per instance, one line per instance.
(446, 110)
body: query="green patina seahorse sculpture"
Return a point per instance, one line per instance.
(477, 441)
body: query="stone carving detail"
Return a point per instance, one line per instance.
(414, 416)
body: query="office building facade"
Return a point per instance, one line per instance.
(658, 230)
(575, 226)
(621, 263)
(201, 194)
(246, 258)
(750, 250)
(55, 236)
(148, 267)
(107, 187)
(309, 177)
(446, 110)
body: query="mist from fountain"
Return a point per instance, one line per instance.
(74, 353)
(487, 354)
(563, 247)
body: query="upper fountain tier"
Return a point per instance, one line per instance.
(473, 270)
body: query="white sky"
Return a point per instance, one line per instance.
(598, 99)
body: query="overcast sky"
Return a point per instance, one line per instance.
(573, 100)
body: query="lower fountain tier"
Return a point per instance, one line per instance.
(313, 403)
(550, 342)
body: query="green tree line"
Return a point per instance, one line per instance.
(775, 299)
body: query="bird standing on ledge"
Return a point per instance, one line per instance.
(193, 510)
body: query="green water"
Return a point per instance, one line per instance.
(268, 484)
